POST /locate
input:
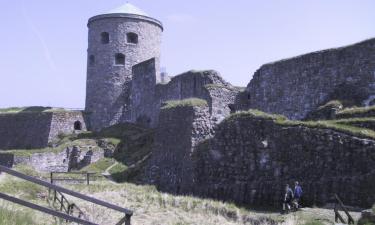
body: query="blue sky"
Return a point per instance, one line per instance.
(43, 43)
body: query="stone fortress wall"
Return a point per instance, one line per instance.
(25, 130)
(249, 159)
(108, 77)
(148, 97)
(294, 87)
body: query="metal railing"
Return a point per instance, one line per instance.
(126, 219)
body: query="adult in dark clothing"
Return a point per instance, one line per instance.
(288, 198)
(297, 194)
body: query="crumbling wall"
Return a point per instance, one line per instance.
(60, 161)
(180, 130)
(207, 85)
(250, 159)
(294, 87)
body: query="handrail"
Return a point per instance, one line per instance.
(128, 213)
(337, 214)
(45, 210)
(87, 176)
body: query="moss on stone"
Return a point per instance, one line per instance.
(254, 113)
(331, 104)
(189, 102)
(336, 125)
(356, 111)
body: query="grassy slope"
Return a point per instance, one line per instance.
(150, 207)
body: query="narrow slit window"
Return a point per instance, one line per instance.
(119, 59)
(132, 38)
(104, 38)
(92, 60)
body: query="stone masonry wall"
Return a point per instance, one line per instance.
(109, 85)
(294, 87)
(24, 130)
(28, 130)
(251, 159)
(63, 122)
(180, 129)
(63, 161)
(207, 85)
(143, 93)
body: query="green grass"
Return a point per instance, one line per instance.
(189, 102)
(99, 166)
(356, 111)
(9, 216)
(31, 109)
(61, 146)
(253, 113)
(313, 222)
(324, 124)
(23, 189)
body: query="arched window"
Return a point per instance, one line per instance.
(77, 125)
(132, 38)
(92, 60)
(119, 59)
(104, 38)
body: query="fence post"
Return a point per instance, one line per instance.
(88, 178)
(127, 220)
(51, 177)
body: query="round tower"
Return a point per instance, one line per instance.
(117, 40)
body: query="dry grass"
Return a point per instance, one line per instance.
(152, 207)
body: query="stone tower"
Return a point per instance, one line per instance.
(117, 40)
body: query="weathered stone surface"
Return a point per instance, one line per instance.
(294, 87)
(63, 161)
(251, 159)
(143, 93)
(207, 85)
(179, 132)
(108, 88)
(36, 129)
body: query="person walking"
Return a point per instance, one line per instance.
(297, 194)
(288, 198)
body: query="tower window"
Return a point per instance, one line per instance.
(104, 38)
(120, 59)
(132, 38)
(92, 60)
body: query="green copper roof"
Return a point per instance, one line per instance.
(128, 9)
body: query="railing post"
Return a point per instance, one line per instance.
(88, 178)
(127, 219)
(51, 177)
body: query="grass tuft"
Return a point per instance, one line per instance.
(189, 102)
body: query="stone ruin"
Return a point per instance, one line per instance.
(207, 143)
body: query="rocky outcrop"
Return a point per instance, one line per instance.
(296, 86)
